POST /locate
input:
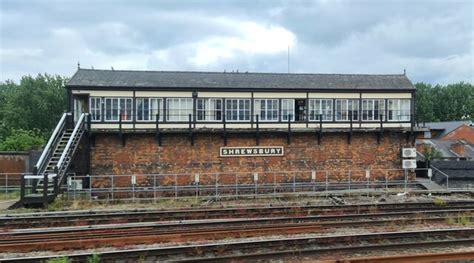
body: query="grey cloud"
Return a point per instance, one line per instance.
(434, 40)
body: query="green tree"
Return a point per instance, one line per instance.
(445, 103)
(22, 140)
(36, 103)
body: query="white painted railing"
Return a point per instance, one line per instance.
(52, 139)
(79, 125)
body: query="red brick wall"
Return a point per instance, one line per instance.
(142, 155)
(464, 132)
(13, 162)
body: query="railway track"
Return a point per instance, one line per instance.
(285, 246)
(114, 217)
(82, 237)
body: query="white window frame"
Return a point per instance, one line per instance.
(151, 116)
(124, 111)
(266, 109)
(181, 113)
(288, 106)
(238, 112)
(344, 108)
(93, 110)
(209, 113)
(368, 109)
(398, 110)
(316, 108)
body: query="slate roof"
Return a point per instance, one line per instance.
(444, 147)
(110, 79)
(446, 126)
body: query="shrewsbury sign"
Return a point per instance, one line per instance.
(251, 151)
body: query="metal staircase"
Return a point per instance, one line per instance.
(51, 169)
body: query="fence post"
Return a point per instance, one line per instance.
(56, 186)
(274, 184)
(236, 185)
(6, 184)
(350, 179)
(90, 188)
(22, 188)
(327, 181)
(45, 190)
(154, 188)
(406, 178)
(175, 186)
(294, 182)
(386, 182)
(255, 182)
(217, 189)
(112, 180)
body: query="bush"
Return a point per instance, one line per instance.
(22, 140)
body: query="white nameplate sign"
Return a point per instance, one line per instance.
(251, 151)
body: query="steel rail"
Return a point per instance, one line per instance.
(146, 234)
(346, 219)
(273, 207)
(279, 247)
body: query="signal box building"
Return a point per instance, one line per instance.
(163, 123)
(159, 122)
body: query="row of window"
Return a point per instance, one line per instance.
(179, 109)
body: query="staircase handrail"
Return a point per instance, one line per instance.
(442, 173)
(52, 139)
(78, 126)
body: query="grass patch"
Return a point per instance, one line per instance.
(460, 219)
(439, 202)
(59, 260)
(10, 195)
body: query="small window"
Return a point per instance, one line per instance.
(149, 108)
(373, 109)
(237, 109)
(347, 109)
(116, 108)
(320, 107)
(287, 109)
(399, 110)
(95, 108)
(179, 109)
(209, 109)
(266, 109)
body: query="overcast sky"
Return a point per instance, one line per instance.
(433, 40)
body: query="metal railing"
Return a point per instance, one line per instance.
(239, 117)
(60, 166)
(238, 184)
(44, 158)
(10, 182)
(438, 171)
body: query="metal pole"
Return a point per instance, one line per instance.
(236, 185)
(22, 188)
(350, 180)
(112, 180)
(154, 188)
(274, 184)
(406, 178)
(217, 190)
(133, 192)
(294, 182)
(90, 188)
(175, 186)
(6, 184)
(327, 181)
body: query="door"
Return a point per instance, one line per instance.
(300, 110)
(80, 106)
